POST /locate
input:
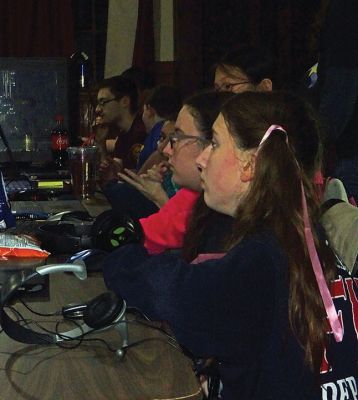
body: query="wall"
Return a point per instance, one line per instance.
(122, 21)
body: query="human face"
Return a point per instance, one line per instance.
(108, 109)
(167, 128)
(148, 117)
(183, 154)
(226, 171)
(232, 80)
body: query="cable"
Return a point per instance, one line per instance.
(182, 397)
(36, 312)
(82, 338)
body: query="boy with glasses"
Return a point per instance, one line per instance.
(117, 108)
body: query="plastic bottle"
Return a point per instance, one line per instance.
(60, 141)
(28, 141)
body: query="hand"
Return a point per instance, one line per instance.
(88, 140)
(109, 169)
(157, 171)
(149, 184)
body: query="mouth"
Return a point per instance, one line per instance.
(202, 183)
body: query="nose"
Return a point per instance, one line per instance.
(202, 159)
(98, 109)
(167, 150)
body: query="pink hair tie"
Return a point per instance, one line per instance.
(316, 264)
(268, 133)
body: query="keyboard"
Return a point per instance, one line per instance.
(18, 186)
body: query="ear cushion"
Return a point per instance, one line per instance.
(102, 310)
(59, 239)
(77, 216)
(113, 229)
(64, 238)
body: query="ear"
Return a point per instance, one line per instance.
(150, 110)
(248, 169)
(265, 85)
(125, 102)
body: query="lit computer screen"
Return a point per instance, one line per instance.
(32, 92)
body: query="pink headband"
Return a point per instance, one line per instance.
(316, 264)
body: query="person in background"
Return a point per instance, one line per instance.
(162, 103)
(117, 105)
(143, 193)
(263, 310)
(165, 229)
(244, 69)
(143, 79)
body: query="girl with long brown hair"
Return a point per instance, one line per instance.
(275, 311)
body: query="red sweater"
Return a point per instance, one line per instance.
(165, 229)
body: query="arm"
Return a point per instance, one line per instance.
(213, 307)
(165, 229)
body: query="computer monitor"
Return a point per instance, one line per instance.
(32, 92)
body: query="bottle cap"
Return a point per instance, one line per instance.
(59, 117)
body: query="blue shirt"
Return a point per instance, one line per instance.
(150, 143)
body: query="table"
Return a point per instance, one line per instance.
(151, 370)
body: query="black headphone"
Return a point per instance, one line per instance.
(101, 313)
(75, 231)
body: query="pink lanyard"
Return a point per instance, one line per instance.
(317, 269)
(316, 264)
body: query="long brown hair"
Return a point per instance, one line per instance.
(273, 200)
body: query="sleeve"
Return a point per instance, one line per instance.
(165, 229)
(207, 305)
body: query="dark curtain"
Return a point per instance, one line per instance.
(143, 53)
(36, 28)
(290, 28)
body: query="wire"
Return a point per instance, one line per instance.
(82, 338)
(182, 397)
(36, 312)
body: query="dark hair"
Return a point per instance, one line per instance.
(165, 100)
(142, 78)
(205, 107)
(273, 200)
(257, 63)
(120, 87)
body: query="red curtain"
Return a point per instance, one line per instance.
(143, 53)
(36, 28)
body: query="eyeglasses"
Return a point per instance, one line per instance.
(176, 137)
(228, 87)
(162, 138)
(103, 102)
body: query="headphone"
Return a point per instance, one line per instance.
(101, 313)
(70, 232)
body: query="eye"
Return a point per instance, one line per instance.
(213, 144)
(227, 86)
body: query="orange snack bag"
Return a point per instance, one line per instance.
(23, 246)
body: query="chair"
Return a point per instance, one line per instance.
(340, 221)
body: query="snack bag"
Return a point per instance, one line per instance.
(21, 246)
